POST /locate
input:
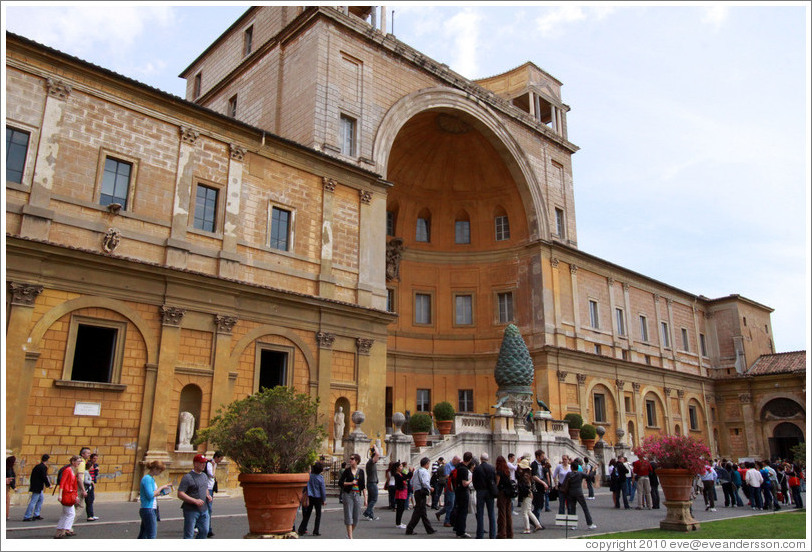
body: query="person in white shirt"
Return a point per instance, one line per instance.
(211, 467)
(512, 465)
(559, 474)
(754, 479)
(422, 489)
(708, 480)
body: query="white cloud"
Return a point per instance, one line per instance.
(464, 28)
(715, 16)
(552, 23)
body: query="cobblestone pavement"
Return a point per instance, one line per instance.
(119, 520)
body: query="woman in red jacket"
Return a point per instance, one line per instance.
(69, 490)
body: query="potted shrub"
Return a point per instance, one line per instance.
(419, 426)
(272, 437)
(444, 417)
(677, 459)
(588, 434)
(575, 422)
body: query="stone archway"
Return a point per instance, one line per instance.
(785, 436)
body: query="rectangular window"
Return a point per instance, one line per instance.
(664, 331)
(621, 322)
(347, 136)
(648, 359)
(463, 310)
(232, 106)
(390, 223)
(651, 414)
(198, 85)
(593, 314)
(422, 308)
(16, 152)
(624, 354)
(462, 232)
(599, 403)
(423, 400)
(95, 350)
(502, 228)
(115, 182)
(248, 38)
(466, 400)
(597, 349)
(560, 226)
(423, 231)
(390, 300)
(702, 345)
(685, 344)
(205, 208)
(505, 306)
(627, 402)
(643, 328)
(692, 417)
(280, 228)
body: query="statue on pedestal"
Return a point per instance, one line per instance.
(338, 428)
(186, 425)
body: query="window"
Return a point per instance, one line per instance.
(423, 400)
(390, 300)
(685, 344)
(95, 350)
(560, 227)
(271, 367)
(692, 417)
(280, 228)
(462, 232)
(664, 331)
(205, 208)
(115, 186)
(643, 328)
(502, 228)
(702, 345)
(422, 308)
(198, 85)
(347, 137)
(463, 310)
(232, 106)
(648, 359)
(621, 322)
(593, 314)
(505, 306)
(599, 404)
(597, 349)
(248, 38)
(423, 231)
(651, 414)
(744, 320)
(627, 402)
(390, 223)
(16, 152)
(466, 400)
(624, 354)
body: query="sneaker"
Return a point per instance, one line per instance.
(366, 517)
(593, 526)
(515, 513)
(713, 509)
(464, 536)
(590, 498)
(526, 532)
(38, 517)
(401, 526)
(28, 519)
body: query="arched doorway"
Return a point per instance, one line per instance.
(785, 436)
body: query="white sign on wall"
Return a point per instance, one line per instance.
(87, 409)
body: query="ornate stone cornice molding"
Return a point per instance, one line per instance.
(364, 345)
(224, 323)
(325, 340)
(188, 135)
(24, 295)
(172, 316)
(562, 376)
(237, 152)
(581, 378)
(365, 195)
(620, 384)
(58, 89)
(329, 184)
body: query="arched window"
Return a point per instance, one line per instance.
(423, 230)
(462, 228)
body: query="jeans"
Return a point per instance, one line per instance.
(755, 497)
(727, 490)
(34, 505)
(590, 489)
(655, 497)
(209, 505)
(195, 518)
(796, 497)
(313, 502)
(485, 500)
(149, 524)
(631, 488)
(448, 506)
(737, 496)
(372, 498)
(89, 499)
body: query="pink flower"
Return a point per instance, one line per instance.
(675, 451)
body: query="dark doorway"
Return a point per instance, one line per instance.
(273, 368)
(785, 436)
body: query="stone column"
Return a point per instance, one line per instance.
(576, 313)
(610, 283)
(371, 361)
(555, 119)
(638, 411)
(621, 403)
(672, 330)
(372, 251)
(325, 376)
(682, 407)
(698, 343)
(220, 388)
(229, 261)
(172, 317)
(582, 398)
(532, 100)
(20, 362)
(628, 314)
(326, 280)
(562, 393)
(658, 328)
(177, 247)
(753, 443)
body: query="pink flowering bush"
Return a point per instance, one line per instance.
(675, 451)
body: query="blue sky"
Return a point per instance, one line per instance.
(693, 120)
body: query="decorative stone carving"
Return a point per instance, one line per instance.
(366, 196)
(708, 315)
(237, 152)
(610, 282)
(186, 425)
(581, 378)
(554, 262)
(573, 269)
(172, 316)
(114, 208)
(224, 323)
(709, 398)
(188, 135)
(625, 287)
(358, 418)
(667, 391)
(338, 424)
(657, 298)
(636, 387)
(620, 384)
(562, 376)
(669, 301)
(329, 184)
(745, 398)
(680, 393)
(325, 340)
(24, 295)
(398, 419)
(58, 89)
(514, 374)
(364, 345)
(394, 253)
(111, 240)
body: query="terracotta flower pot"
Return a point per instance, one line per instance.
(271, 500)
(589, 443)
(444, 426)
(676, 483)
(420, 439)
(575, 434)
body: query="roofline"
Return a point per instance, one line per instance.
(519, 67)
(220, 38)
(737, 297)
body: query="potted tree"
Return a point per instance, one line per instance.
(575, 422)
(272, 436)
(419, 426)
(677, 458)
(588, 434)
(444, 417)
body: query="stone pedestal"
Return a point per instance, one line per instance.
(678, 517)
(357, 442)
(399, 445)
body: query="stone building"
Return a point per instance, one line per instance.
(330, 209)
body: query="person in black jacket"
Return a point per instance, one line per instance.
(39, 481)
(573, 484)
(484, 481)
(655, 487)
(623, 475)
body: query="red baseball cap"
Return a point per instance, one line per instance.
(200, 458)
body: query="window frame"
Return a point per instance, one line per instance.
(417, 230)
(620, 320)
(430, 295)
(599, 407)
(651, 413)
(693, 418)
(117, 361)
(218, 208)
(643, 319)
(512, 317)
(391, 222)
(104, 154)
(665, 334)
(466, 225)
(703, 345)
(391, 300)
(501, 227)
(290, 362)
(25, 158)
(291, 226)
(462, 294)
(197, 85)
(231, 110)
(560, 223)
(465, 403)
(420, 403)
(248, 40)
(347, 144)
(686, 343)
(594, 314)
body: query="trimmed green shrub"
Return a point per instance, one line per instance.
(443, 411)
(419, 423)
(575, 420)
(588, 431)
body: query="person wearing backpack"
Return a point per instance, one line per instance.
(448, 496)
(462, 498)
(68, 495)
(524, 491)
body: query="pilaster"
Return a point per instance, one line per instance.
(229, 261)
(221, 391)
(325, 341)
(177, 248)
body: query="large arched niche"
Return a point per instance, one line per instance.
(442, 128)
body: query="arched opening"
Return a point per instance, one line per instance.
(191, 398)
(785, 436)
(677, 430)
(631, 437)
(341, 421)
